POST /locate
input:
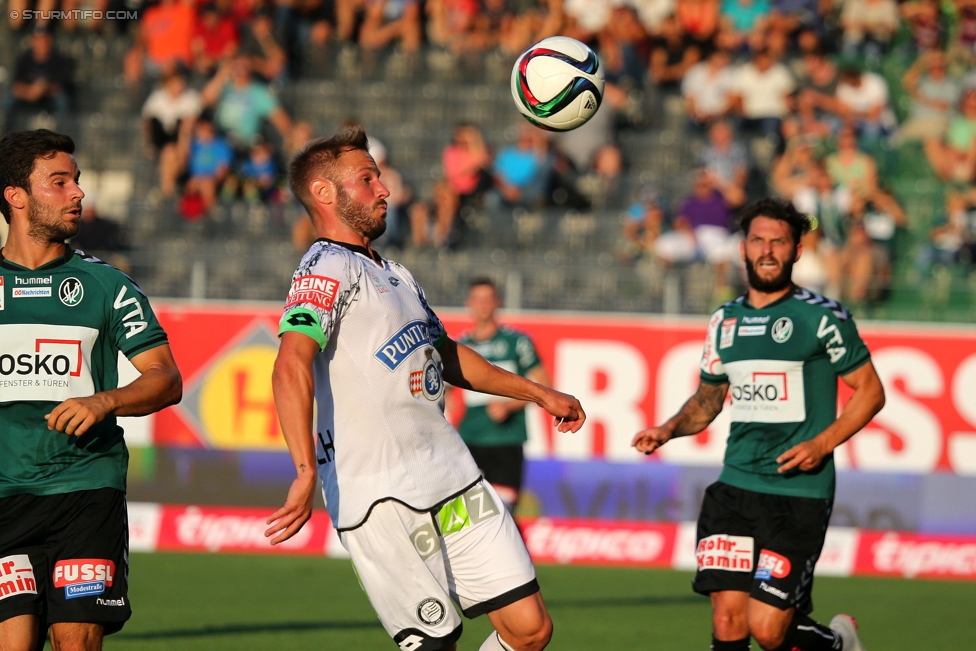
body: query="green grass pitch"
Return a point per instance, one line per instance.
(198, 601)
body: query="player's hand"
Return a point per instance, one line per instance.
(75, 416)
(289, 519)
(650, 439)
(499, 410)
(567, 412)
(804, 456)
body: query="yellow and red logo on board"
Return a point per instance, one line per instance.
(231, 402)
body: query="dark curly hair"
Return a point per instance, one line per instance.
(779, 209)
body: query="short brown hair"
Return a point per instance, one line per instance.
(780, 210)
(18, 152)
(318, 159)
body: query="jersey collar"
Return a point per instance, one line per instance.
(57, 262)
(782, 299)
(355, 248)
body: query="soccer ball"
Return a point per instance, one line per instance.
(557, 84)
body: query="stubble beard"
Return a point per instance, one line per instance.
(358, 216)
(46, 225)
(777, 283)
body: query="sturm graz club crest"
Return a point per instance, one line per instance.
(782, 330)
(433, 386)
(71, 291)
(431, 611)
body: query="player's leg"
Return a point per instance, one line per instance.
(524, 625)
(726, 560)
(76, 636)
(20, 633)
(493, 574)
(88, 594)
(781, 598)
(398, 555)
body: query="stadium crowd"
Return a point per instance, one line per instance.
(810, 100)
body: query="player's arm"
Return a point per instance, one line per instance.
(694, 416)
(293, 385)
(500, 410)
(467, 369)
(868, 399)
(159, 385)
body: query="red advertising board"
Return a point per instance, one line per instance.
(629, 372)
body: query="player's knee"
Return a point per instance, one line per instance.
(729, 624)
(534, 639)
(768, 634)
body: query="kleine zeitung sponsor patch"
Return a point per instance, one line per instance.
(320, 291)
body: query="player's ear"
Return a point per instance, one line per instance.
(323, 190)
(798, 251)
(15, 196)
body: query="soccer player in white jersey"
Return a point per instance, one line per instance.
(357, 335)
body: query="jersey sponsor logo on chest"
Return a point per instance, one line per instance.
(406, 340)
(725, 552)
(767, 391)
(16, 576)
(320, 291)
(45, 362)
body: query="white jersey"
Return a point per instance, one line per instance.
(380, 430)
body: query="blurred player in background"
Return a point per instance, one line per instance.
(762, 524)
(494, 428)
(357, 335)
(64, 319)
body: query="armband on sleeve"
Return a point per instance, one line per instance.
(305, 321)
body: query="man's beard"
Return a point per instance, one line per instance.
(358, 216)
(47, 225)
(772, 285)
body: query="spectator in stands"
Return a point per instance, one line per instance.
(702, 229)
(242, 104)
(643, 223)
(258, 175)
(953, 241)
(790, 17)
(303, 28)
(933, 94)
(700, 20)
(740, 18)
(925, 22)
(215, 39)
(451, 25)
(962, 46)
(653, 13)
(100, 236)
(42, 82)
(865, 260)
(708, 89)
(762, 98)
(953, 156)
(522, 171)
(868, 27)
(812, 270)
(168, 116)
(400, 204)
(210, 162)
(467, 176)
(862, 100)
(851, 167)
(385, 22)
(258, 43)
(794, 170)
(623, 45)
(672, 54)
(727, 159)
(584, 19)
(829, 203)
(817, 80)
(163, 40)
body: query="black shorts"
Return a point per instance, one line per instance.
(763, 544)
(500, 464)
(65, 558)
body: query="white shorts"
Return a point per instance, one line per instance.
(413, 564)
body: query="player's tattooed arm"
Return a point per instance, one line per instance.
(694, 416)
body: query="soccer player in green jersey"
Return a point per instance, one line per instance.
(64, 319)
(779, 350)
(494, 427)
